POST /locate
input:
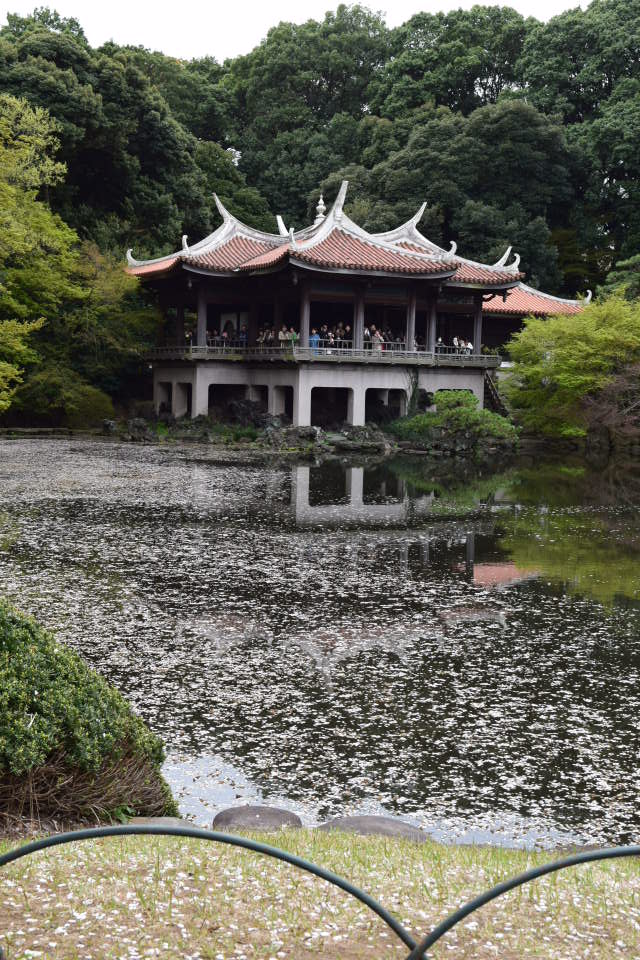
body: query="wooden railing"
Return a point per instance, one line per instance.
(340, 352)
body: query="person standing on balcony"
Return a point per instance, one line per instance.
(314, 342)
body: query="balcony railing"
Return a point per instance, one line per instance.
(337, 351)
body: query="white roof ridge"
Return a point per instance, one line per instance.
(551, 296)
(336, 219)
(492, 267)
(374, 241)
(132, 262)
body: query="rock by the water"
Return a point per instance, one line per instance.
(368, 826)
(109, 427)
(158, 822)
(138, 429)
(255, 818)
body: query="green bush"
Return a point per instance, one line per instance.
(69, 742)
(232, 433)
(562, 363)
(57, 396)
(456, 412)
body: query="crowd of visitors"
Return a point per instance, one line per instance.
(339, 337)
(457, 346)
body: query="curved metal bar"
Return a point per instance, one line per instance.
(612, 853)
(231, 839)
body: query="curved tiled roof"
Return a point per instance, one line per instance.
(342, 249)
(230, 255)
(334, 242)
(526, 301)
(469, 272)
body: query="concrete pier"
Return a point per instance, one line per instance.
(186, 386)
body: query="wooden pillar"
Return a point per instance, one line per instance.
(432, 321)
(358, 319)
(410, 328)
(277, 314)
(179, 325)
(477, 323)
(305, 313)
(201, 332)
(470, 553)
(252, 330)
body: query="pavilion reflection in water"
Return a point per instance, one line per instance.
(389, 519)
(385, 524)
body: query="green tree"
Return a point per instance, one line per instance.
(572, 64)
(37, 250)
(192, 89)
(462, 59)
(222, 176)
(611, 145)
(284, 94)
(497, 177)
(131, 171)
(624, 279)
(563, 362)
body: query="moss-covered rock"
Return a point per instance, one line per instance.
(456, 427)
(70, 744)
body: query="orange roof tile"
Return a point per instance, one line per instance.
(232, 254)
(342, 250)
(525, 300)
(160, 266)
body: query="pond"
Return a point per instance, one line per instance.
(463, 652)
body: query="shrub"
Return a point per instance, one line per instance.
(57, 396)
(562, 365)
(233, 433)
(456, 412)
(70, 745)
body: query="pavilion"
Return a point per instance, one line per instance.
(219, 295)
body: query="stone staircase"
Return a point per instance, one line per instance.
(492, 399)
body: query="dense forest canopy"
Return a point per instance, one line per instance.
(515, 132)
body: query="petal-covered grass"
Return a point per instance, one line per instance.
(141, 897)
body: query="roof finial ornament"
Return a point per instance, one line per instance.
(222, 210)
(321, 209)
(453, 246)
(185, 245)
(339, 201)
(417, 217)
(294, 245)
(282, 230)
(131, 260)
(588, 297)
(503, 259)
(516, 263)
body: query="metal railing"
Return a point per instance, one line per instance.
(417, 950)
(388, 352)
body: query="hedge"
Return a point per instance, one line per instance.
(70, 744)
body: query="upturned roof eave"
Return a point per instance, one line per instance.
(484, 287)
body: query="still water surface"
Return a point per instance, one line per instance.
(462, 653)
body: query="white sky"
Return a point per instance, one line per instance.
(225, 29)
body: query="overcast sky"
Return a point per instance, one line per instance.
(228, 28)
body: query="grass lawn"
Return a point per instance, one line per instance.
(168, 897)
